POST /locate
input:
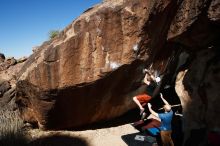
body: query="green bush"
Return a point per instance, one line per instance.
(53, 33)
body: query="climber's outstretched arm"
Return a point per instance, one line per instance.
(152, 111)
(165, 102)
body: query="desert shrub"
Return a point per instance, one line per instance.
(53, 33)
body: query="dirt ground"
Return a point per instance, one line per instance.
(115, 136)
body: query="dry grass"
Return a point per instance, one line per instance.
(11, 125)
(13, 133)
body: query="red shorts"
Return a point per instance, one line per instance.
(153, 123)
(143, 99)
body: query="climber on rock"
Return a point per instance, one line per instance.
(142, 99)
(166, 118)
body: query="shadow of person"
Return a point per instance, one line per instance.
(59, 140)
(138, 139)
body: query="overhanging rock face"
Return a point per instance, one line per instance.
(91, 70)
(87, 73)
(197, 83)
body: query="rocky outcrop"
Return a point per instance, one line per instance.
(198, 89)
(11, 123)
(2, 57)
(5, 63)
(4, 86)
(9, 68)
(197, 82)
(213, 12)
(90, 71)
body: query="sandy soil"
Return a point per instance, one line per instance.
(115, 136)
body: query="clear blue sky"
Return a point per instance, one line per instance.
(26, 23)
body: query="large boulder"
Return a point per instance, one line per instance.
(199, 89)
(89, 72)
(193, 27)
(197, 83)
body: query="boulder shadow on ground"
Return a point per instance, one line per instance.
(12, 139)
(129, 117)
(59, 140)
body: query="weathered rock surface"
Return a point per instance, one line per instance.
(199, 89)
(22, 59)
(6, 63)
(2, 57)
(11, 122)
(92, 69)
(89, 72)
(4, 86)
(9, 69)
(213, 12)
(197, 83)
